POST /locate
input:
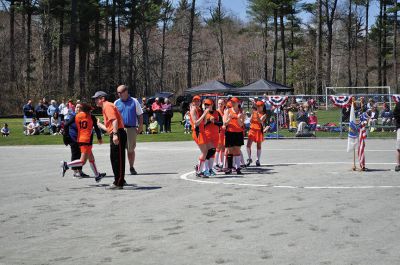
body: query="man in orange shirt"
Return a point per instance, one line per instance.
(114, 126)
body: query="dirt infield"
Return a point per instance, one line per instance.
(304, 205)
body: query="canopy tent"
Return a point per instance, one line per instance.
(264, 86)
(211, 87)
(164, 94)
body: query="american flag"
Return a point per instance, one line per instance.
(341, 101)
(361, 144)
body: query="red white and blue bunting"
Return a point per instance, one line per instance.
(277, 101)
(341, 101)
(396, 98)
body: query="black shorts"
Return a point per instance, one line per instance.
(234, 139)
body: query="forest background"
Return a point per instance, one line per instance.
(71, 48)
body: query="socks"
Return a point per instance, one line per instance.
(200, 165)
(206, 165)
(76, 163)
(237, 161)
(217, 157)
(211, 162)
(258, 154)
(94, 168)
(241, 160)
(230, 161)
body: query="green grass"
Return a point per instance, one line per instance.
(18, 138)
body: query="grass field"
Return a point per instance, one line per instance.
(18, 138)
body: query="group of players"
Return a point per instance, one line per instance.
(219, 133)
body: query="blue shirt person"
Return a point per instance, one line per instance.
(132, 116)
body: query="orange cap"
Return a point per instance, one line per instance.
(235, 99)
(208, 101)
(259, 103)
(196, 98)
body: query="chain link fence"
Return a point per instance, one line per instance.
(304, 116)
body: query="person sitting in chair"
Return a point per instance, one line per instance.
(312, 122)
(153, 126)
(302, 119)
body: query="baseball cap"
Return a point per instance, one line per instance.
(208, 101)
(100, 94)
(196, 98)
(259, 103)
(235, 99)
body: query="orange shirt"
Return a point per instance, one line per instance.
(254, 123)
(201, 125)
(84, 124)
(110, 113)
(211, 128)
(233, 125)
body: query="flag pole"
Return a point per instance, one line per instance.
(354, 150)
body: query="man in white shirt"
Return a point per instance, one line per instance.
(33, 127)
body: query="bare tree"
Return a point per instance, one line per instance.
(330, 8)
(72, 46)
(190, 44)
(366, 81)
(216, 22)
(318, 52)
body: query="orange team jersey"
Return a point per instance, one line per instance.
(198, 133)
(254, 123)
(110, 113)
(233, 125)
(201, 125)
(221, 140)
(84, 125)
(212, 130)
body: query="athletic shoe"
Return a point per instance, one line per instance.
(77, 174)
(217, 166)
(199, 174)
(397, 168)
(206, 173)
(212, 172)
(114, 187)
(64, 168)
(133, 171)
(258, 163)
(196, 167)
(249, 161)
(228, 171)
(83, 175)
(99, 177)
(238, 171)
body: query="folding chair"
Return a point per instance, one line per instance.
(44, 125)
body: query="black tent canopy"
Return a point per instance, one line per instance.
(211, 87)
(264, 86)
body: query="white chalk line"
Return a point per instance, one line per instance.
(185, 177)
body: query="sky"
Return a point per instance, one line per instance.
(238, 8)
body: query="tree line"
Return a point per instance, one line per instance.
(71, 48)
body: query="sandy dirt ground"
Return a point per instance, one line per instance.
(303, 205)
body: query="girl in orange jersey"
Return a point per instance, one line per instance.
(85, 122)
(197, 119)
(221, 136)
(256, 134)
(211, 127)
(234, 139)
